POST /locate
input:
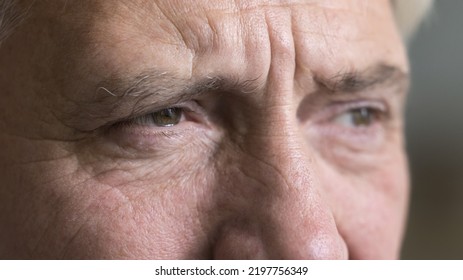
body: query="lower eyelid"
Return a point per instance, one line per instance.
(135, 129)
(333, 138)
(324, 130)
(147, 139)
(153, 140)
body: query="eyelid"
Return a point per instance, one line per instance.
(190, 107)
(368, 138)
(151, 140)
(334, 110)
(151, 118)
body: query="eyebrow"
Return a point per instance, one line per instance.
(169, 88)
(127, 97)
(166, 87)
(155, 90)
(379, 75)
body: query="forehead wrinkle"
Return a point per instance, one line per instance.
(191, 33)
(280, 3)
(178, 9)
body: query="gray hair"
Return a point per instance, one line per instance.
(409, 14)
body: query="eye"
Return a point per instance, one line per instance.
(163, 118)
(352, 127)
(358, 117)
(162, 131)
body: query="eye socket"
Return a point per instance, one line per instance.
(162, 131)
(358, 117)
(163, 118)
(353, 127)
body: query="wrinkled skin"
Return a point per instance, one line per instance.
(270, 158)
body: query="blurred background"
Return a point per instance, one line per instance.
(435, 136)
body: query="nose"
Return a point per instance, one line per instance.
(273, 198)
(276, 205)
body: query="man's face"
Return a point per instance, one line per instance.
(214, 129)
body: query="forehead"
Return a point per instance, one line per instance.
(325, 36)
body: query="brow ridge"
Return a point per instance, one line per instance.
(354, 81)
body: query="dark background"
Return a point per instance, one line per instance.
(435, 136)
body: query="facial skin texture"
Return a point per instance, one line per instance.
(268, 159)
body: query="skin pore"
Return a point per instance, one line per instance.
(223, 129)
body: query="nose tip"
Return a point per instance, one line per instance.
(263, 241)
(325, 247)
(294, 224)
(282, 212)
(276, 194)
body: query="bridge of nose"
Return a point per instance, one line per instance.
(268, 195)
(272, 202)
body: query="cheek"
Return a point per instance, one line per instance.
(139, 219)
(370, 207)
(119, 209)
(97, 203)
(155, 217)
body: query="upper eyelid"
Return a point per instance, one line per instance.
(192, 111)
(151, 110)
(375, 106)
(333, 110)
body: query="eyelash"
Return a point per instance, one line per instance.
(141, 134)
(377, 110)
(337, 114)
(331, 124)
(151, 118)
(187, 111)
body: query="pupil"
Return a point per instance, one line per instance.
(362, 116)
(167, 117)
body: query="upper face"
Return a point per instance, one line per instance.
(219, 129)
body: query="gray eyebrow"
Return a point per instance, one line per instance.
(150, 82)
(127, 97)
(164, 89)
(350, 82)
(170, 88)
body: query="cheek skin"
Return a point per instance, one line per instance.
(140, 224)
(98, 206)
(370, 207)
(154, 217)
(153, 209)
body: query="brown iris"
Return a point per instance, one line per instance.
(167, 117)
(362, 116)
